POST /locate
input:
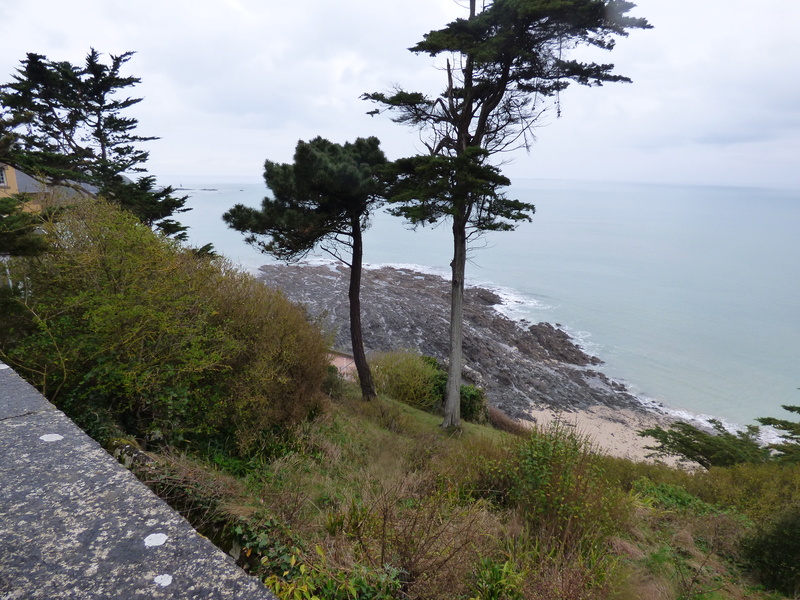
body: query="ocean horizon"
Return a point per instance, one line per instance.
(689, 294)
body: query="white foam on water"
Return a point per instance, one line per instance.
(316, 260)
(424, 270)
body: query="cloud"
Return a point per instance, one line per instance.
(228, 83)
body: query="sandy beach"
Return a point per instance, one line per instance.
(613, 431)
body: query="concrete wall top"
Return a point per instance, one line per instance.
(76, 524)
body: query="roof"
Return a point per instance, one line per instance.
(27, 184)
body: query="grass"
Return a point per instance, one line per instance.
(375, 500)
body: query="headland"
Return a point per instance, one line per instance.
(532, 372)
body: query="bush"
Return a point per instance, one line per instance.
(428, 535)
(318, 579)
(276, 373)
(474, 407)
(773, 553)
(124, 329)
(420, 381)
(758, 491)
(672, 497)
(493, 579)
(407, 377)
(555, 480)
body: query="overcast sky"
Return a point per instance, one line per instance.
(229, 83)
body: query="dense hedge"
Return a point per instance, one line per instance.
(131, 334)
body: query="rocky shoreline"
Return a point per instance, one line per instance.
(524, 368)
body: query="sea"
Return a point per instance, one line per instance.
(689, 294)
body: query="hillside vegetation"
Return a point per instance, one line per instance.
(221, 391)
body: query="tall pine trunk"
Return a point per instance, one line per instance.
(354, 296)
(452, 397)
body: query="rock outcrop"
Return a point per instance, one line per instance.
(521, 366)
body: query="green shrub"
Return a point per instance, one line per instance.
(420, 381)
(756, 490)
(116, 325)
(495, 580)
(672, 497)
(474, 407)
(318, 579)
(407, 377)
(429, 535)
(279, 365)
(555, 480)
(125, 330)
(773, 553)
(558, 481)
(334, 383)
(440, 381)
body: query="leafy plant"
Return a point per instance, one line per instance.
(268, 547)
(672, 497)
(495, 580)
(429, 535)
(420, 381)
(318, 580)
(125, 330)
(554, 481)
(407, 377)
(474, 407)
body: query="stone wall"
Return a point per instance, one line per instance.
(74, 523)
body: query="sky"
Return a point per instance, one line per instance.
(226, 84)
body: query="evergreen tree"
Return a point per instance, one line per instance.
(717, 448)
(323, 199)
(503, 64)
(69, 126)
(787, 450)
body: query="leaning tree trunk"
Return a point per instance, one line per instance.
(452, 396)
(354, 295)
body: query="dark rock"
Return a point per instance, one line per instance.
(560, 346)
(520, 366)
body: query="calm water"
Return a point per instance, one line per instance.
(690, 294)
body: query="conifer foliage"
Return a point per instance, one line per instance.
(324, 199)
(69, 125)
(504, 65)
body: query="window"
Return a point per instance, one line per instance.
(3, 177)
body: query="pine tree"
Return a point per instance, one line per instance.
(503, 65)
(68, 125)
(324, 200)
